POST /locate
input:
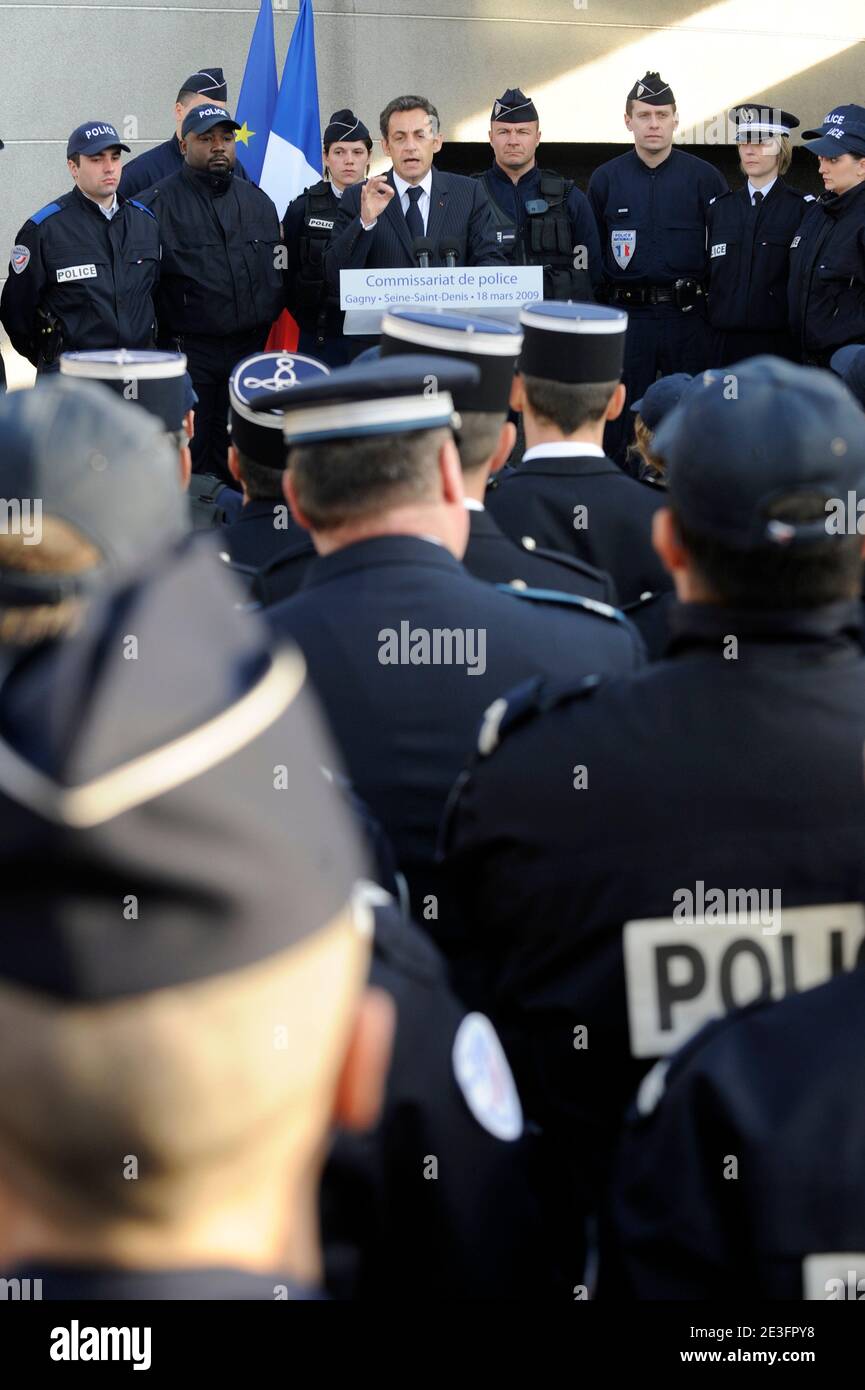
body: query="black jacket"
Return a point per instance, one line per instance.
(493, 556)
(542, 497)
(148, 168)
(749, 257)
(220, 261)
(97, 277)
(827, 275)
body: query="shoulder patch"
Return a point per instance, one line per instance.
(809, 198)
(48, 211)
(135, 203)
(533, 696)
(485, 1079)
(588, 605)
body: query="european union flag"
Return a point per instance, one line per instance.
(257, 100)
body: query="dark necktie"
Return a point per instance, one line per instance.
(413, 219)
(758, 198)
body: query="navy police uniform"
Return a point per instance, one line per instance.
(154, 166)
(543, 219)
(493, 348)
(263, 543)
(750, 232)
(781, 1087)
(220, 289)
(736, 760)
(405, 723)
(568, 495)
(652, 226)
(79, 279)
(827, 255)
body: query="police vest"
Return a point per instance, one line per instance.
(548, 237)
(319, 215)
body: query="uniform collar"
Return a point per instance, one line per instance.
(698, 624)
(564, 448)
(473, 505)
(504, 177)
(656, 169)
(379, 550)
(92, 204)
(765, 190)
(204, 181)
(840, 204)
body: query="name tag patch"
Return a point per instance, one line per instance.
(719, 249)
(76, 272)
(321, 222)
(680, 974)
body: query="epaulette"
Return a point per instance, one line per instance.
(537, 695)
(588, 605)
(646, 600)
(528, 543)
(717, 196)
(808, 198)
(507, 472)
(135, 203)
(48, 211)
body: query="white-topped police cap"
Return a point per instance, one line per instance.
(573, 343)
(756, 125)
(385, 397)
(493, 346)
(257, 432)
(157, 381)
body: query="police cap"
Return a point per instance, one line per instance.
(842, 132)
(381, 397)
(344, 125)
(209, 82)
(573, 343)
(492, 346)
(92, 138)
(89, 461)
(659, 398)
(652, 89)
(202, 118)
(765, 429)
(259, 435)
(157, 381)
(756, 125)
(513, 107)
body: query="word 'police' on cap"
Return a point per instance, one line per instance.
(382, 397)
(202, 118)
(752, 434)
(573, 343)
(92, 138)
(493, 347)
(256, 381)
(842, 132)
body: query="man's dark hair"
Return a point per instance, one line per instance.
(344, 480)
(478, 436)
(568, 406)
(184, 96)
(76, 160)
(262, 483)
(779, 576)
(408, 104)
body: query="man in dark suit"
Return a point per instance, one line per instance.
(377, 222)
(404, 647)
(566, 492)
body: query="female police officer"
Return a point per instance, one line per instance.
(308, 224)
(749, 236)
(827, 254)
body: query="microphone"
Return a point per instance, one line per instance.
(449, 249)
(423, 249)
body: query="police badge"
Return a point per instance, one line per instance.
(623, 244)
(20, 258)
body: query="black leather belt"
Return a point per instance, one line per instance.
(684, 294)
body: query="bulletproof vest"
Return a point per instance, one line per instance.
(547, 238)
(319, 215)
(210, 502)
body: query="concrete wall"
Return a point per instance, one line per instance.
(63, 62)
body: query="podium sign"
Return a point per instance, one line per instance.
(486, 289)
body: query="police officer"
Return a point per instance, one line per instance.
(650, 207)
(540, 217)
(264, 543)
(200, 89)
(769, 1080)
(375, 476)
(750, 231)
(221, 285)
(159, 383)
(485, 440)
(308, 223)
(827, 255)
(85, 268)
(566, 493)
(734, 762)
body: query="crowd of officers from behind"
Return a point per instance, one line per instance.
(480, 969)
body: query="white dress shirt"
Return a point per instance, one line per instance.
(766, 189)
(563, 448)
(423, 201)
(106, 212)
